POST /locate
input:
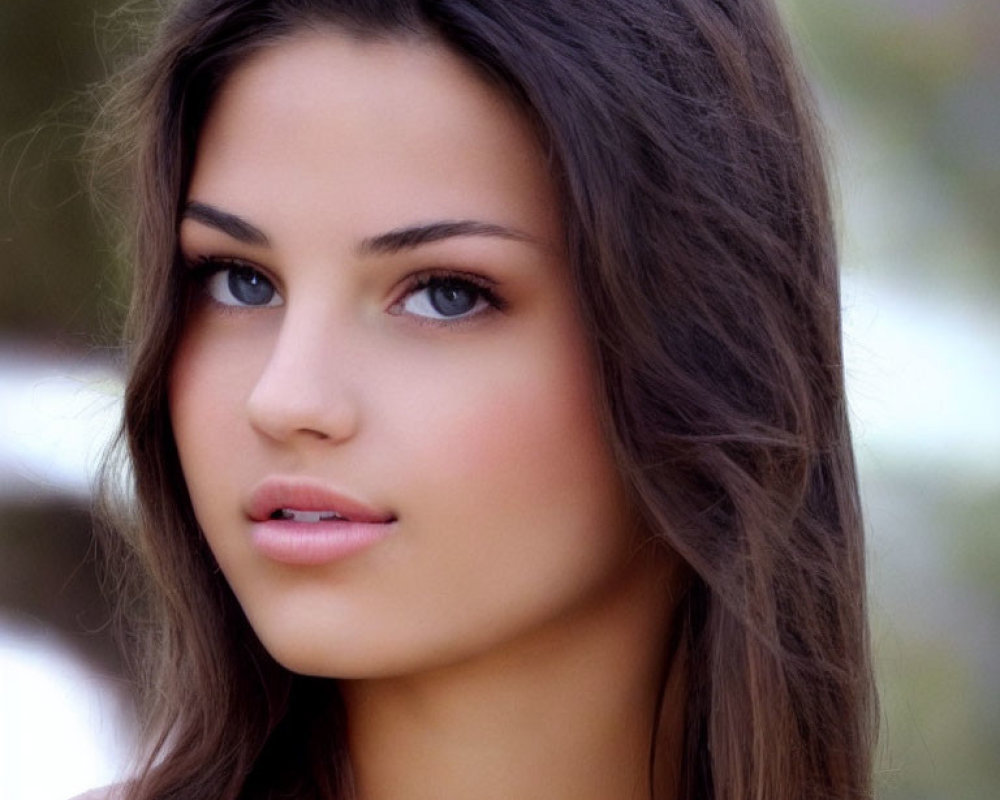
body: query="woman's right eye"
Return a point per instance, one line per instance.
(240, 285)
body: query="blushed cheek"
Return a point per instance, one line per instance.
(214, 369)
(191, 387)
(182, 388)
(520, 435)
(518, 507)
(206, 387)
(191, 415)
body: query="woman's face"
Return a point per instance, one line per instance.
(382, 398)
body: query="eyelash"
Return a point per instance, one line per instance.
(202, 268)
(481, 287)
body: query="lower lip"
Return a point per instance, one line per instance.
(312, 543)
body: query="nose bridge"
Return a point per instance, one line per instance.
(309, 382)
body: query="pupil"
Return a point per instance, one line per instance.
(250, 287)
(452, 298)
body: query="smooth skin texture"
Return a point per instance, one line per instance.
(505, 638)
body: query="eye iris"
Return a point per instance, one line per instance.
(250, 287)
(451, 298)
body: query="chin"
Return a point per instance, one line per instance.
(324, 656)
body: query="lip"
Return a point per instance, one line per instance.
(311, 543)
(272, 494)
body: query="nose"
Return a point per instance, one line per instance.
(305, 389)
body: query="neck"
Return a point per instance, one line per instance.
(568, 712)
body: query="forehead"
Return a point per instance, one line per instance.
(396, 124)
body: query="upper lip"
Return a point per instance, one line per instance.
(302, 494)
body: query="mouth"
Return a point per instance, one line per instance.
(302, 522)
(308, 501)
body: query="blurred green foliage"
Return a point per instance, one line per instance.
(54, 265)
(916, 84)
(936, 609)
(924, 75)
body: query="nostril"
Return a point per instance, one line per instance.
(296, 412)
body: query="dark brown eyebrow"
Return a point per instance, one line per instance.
(383, 244)
(425, 233)
(230, 224)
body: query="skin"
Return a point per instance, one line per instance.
(505, 638)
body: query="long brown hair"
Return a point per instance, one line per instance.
(700, 235)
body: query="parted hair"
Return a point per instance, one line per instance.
(699, 234)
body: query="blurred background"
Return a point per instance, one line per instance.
(910, 91)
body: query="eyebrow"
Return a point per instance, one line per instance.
(393, 241)
(425, 233)
(230, 224)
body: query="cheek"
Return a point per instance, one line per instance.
(210, 377)
(499, 402)
(515, 436)
(518, 514)
(536, 434)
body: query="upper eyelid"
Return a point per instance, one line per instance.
(444, 273)
(196, 260)
(200, 260)
(212, 264)
(417, 281)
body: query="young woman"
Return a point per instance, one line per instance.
(486, 409)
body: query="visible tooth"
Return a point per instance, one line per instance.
(304, 516)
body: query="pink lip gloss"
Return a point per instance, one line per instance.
(312, 543)
(304, 522)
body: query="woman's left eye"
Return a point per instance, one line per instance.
(447, 298)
